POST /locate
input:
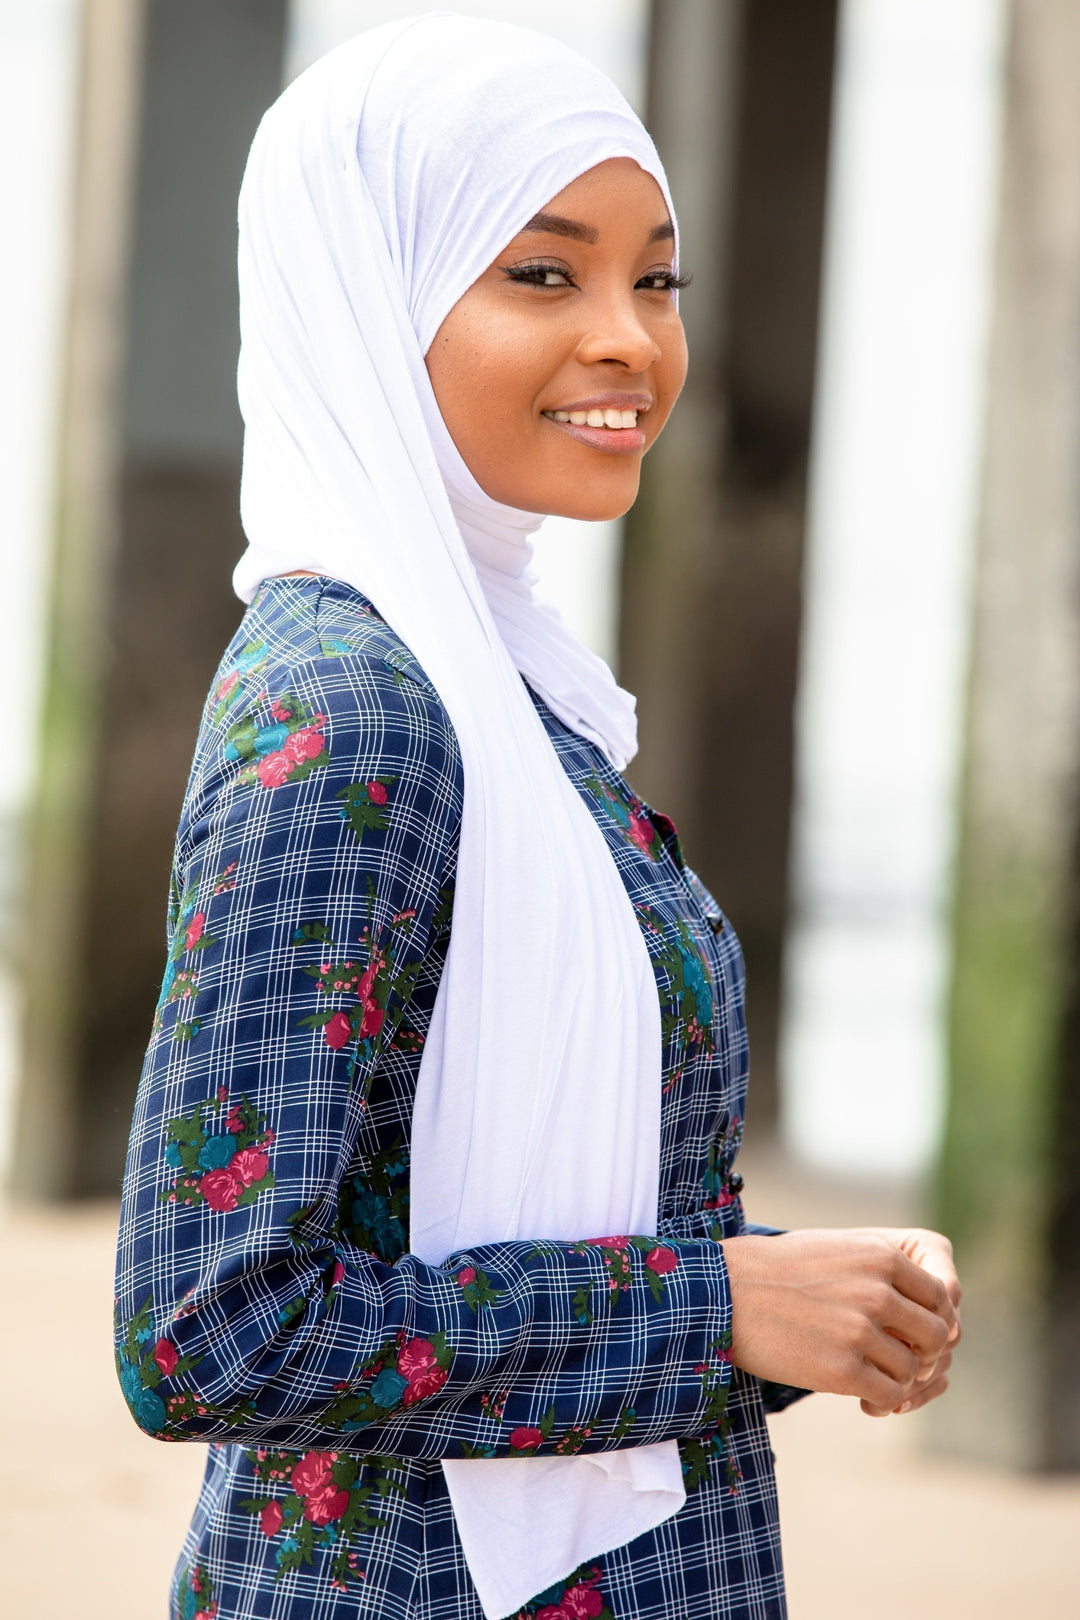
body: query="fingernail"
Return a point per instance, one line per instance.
(906, 1407)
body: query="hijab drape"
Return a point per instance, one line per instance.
(381, 184)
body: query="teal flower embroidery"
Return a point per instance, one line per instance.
(286, 749)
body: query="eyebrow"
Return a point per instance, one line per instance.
(557, 225)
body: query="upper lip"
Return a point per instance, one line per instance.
(607, 402)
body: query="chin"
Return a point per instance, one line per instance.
(591, 511)
(591, 505)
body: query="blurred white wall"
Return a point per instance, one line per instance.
(38, 60)
(578, 563)
(897, 442)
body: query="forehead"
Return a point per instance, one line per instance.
(617, 189)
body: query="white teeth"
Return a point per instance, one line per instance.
(596, 418)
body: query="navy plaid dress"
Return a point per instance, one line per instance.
(267, 1303)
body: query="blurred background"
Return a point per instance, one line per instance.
(848, 600)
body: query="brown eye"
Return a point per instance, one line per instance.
(539, 275)
(663, 281)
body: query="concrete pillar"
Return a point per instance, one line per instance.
(1010, 1176)
(740, 105)
(50, 935)
(143, 604)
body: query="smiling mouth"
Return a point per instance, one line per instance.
(614, 420)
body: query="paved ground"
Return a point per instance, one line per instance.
(92, 1512)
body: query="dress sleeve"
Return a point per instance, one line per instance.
(308, 922)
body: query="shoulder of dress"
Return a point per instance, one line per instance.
(316, 628)
(347, 626)
(312, 657)
(305, 620)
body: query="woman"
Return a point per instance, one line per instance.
(444, 1006)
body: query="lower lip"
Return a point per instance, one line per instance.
(615, 441)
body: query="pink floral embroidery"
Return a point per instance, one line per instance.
(418, 1365)
(327, 1510)
(287, 749)
(416, 1357)
(642, 832)
(582, 1602)
(221, 1189)
(274, 770)
(270, 1519)
(313, 1479)
(219, 1167)
(337, 1031)
(427, 1383)
(166, 1356)
(250, 1164)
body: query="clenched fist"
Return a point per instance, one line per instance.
(866, 1311)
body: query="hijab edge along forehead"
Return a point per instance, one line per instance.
(494, 146)
(431, 309)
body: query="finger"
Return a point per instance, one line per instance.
(894, 1358)
(933, 1252)
(930, 1367)
(927, 1364)
(941, 1365)
(928, 1374)
(923, 1288)
(911, 1403)
(923, 1396)
(926, 1331)
(877, 1391)
(930, 1252)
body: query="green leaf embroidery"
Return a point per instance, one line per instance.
(365, 804)
(478, 1292)
(581, 1307)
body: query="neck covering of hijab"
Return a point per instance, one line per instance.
(380, 186)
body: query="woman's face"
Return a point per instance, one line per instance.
(576, 317)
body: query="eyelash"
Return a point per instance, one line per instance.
(531, 276)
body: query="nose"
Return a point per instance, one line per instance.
(617, 334)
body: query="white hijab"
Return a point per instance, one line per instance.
(380, 186)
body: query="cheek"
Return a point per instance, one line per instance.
(485, 358)
(672, 366)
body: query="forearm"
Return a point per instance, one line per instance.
(508, 1349)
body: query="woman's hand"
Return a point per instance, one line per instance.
(869, 1312)
(934, 1253)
